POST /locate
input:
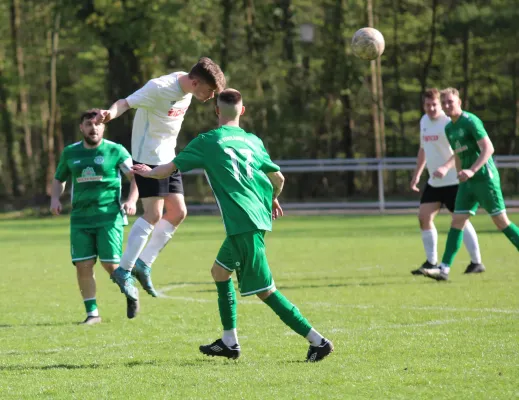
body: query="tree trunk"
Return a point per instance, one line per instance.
(123, 80)
(18, 51)
(16, 188)
(380, 107)
(226, 33)
(396, 66)
(51, 156)
(347, 140)
(432, 45)
(466, 67)
(374, 90)
(514, 133)
(287, 25)
(249, 27)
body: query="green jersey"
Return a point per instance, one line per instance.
(96, 182)
(463, 136)
(236, 164)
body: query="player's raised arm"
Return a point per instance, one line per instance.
(117, 109)
(56, 191)
(160, 172)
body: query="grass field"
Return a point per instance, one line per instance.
(396, 335)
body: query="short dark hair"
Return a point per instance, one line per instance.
(86, 115)
(431, 93)
(230, 96)
(209, 72)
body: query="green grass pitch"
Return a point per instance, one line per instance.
(396, 335)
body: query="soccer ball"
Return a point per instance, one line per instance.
(368, 43)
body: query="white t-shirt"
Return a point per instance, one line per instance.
(161, 105)
(437, 149)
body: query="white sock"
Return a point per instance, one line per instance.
(230, 337)
(137, 238)
(161, 235)
(470, 238)
(94, 313)
(314, 337)
(445, 268)
(430, 245)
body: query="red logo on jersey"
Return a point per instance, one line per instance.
(176, 112)
(431, 138)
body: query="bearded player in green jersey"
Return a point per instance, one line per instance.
(96, 221)
(246, 184)
(478, 176)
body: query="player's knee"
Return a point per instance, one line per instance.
(263, 295)
(109, 267)
(459, 220)
(501, 221)
(176, 216)
(425, 220)
(152, 216)
(220, 274)
(85, 268)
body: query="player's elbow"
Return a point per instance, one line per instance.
(281, 178)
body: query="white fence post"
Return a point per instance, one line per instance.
(380, 173)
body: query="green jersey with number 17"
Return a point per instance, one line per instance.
(463, 136)
(236, 164)
(96, 182)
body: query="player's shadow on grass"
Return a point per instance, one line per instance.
(130, 364)
(353, 284)
(334, 285)
(40, 324)
(50, 367)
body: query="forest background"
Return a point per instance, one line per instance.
(307, 96)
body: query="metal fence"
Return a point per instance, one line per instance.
(364, 165)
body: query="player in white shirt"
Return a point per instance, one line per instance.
(434, 152)
(161, 105)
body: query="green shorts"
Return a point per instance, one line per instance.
(473, 193)
(105, 242)
(245, 254)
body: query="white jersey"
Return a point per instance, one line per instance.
(161, 105)
(437, 149)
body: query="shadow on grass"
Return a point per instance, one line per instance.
(50, 367)
(220, 361)
(41, 324)
(336, 285)
(132, 364)
(62, 366)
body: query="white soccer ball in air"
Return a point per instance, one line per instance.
(368, 43)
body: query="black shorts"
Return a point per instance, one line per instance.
(445, 195)
(149, 187)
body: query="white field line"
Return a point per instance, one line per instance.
(162, 291)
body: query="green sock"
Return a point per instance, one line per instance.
(91, 307)
(227, 304)
(512, 233)
(454, 240)
(288, 313)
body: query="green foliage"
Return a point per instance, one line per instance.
(300, 96)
